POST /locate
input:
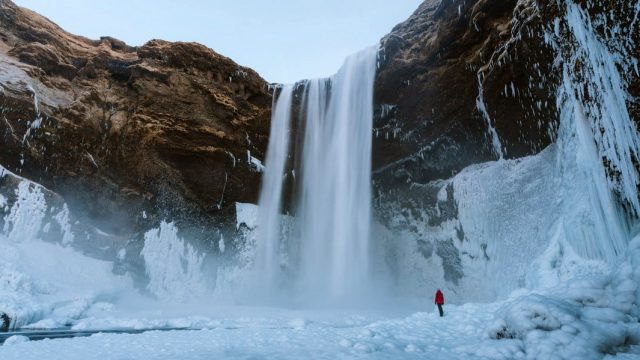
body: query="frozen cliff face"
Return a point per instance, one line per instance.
(497, 227)
(27, 210)
(30, 211)
(528, 222)
(463, 82)
(43, 271)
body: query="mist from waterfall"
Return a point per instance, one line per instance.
(333, 205)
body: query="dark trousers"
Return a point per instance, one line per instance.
(441, 310)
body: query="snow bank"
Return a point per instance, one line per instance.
(246, 214)
(585, 318)
(40, 281)
(46, 284)
(16, 339)
(282, 334)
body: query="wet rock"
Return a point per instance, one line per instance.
(440, 67)
(6, 322)
(451, 262)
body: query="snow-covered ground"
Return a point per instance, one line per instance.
(280, 334)
(291, 334)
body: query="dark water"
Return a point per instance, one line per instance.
(35, 335)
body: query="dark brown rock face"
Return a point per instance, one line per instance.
(166, 127)
(441, 67)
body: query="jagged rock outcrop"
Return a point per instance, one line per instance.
(165, 130)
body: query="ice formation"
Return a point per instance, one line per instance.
(173, 266)
(46, 284)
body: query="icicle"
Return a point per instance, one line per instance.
(620, 141)
(480, 105)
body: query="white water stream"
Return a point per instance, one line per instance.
(269, 229)
(333, 210)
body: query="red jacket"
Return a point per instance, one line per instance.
(439, 298)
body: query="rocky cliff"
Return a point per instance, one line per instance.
(466, 82)
(463, 82)
(133, 135)
(129, 135)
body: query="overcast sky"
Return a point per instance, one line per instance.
(284, 40)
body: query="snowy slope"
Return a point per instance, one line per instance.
(418, 336)
(47, 284)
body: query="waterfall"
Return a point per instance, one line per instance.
(334, 211)
(333, 207)
(267, 261)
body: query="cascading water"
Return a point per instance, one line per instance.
(269, 223)
(333, 211)
(335, 202)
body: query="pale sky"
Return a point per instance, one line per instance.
(284, 40)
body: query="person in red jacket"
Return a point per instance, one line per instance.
(440, 301)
